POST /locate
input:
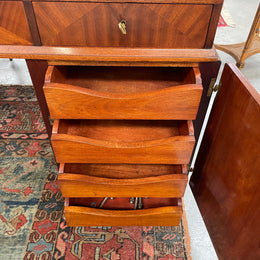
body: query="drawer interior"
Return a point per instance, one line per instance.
(122, 79)
(122, 171)
(125, 130)
(124, 203)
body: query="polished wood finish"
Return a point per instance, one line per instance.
(122, 171)
(122, 93)
(83, 185)
(139, 157)
(141, 142)
(147, 25)
(76, 185)
(28, 8)
(225, 180)
(111, 56)
(85, 216)
(213, 25)
(14, 28)
(139, 1)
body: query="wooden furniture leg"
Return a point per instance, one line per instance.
(241, 51)
(37, 71)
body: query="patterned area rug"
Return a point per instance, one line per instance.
(31, 205)
(25, 159)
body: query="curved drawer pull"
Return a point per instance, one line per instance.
(122, 26)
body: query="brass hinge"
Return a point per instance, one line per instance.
(189, 169)
(51, 121)
(213, 87)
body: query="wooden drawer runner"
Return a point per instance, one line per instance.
(147, 25)
(154, 212)
(122, 93)
(84, 185)
(122, 141)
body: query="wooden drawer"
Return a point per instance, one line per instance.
(74, 92)
(14, 28)
(80, 184)
(122, 141)
(155, 212)
(147, 25)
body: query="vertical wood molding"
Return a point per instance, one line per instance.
(28, 8)
(213, 25)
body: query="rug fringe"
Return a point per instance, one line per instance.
(227, 17)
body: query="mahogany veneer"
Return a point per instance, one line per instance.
(147, 25)
(14, 28)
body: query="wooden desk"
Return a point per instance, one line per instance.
(167, 34)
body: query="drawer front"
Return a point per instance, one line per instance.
(76, 149)
(157, 216)
(147, 25)
(77, 185)
(127, 141)
(14, 27)
(122, 93)
(71, 102)
(83, 216)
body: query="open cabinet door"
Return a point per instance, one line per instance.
(226, 176)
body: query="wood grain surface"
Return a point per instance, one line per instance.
(110, 56)
(226, 179)
(147, 25)
(139, 1)
(141, 142)
(14, 28)
(77, 185)
(83, 216)
(123, 93)
(122, 171)
(37, 70)
(28, 8)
